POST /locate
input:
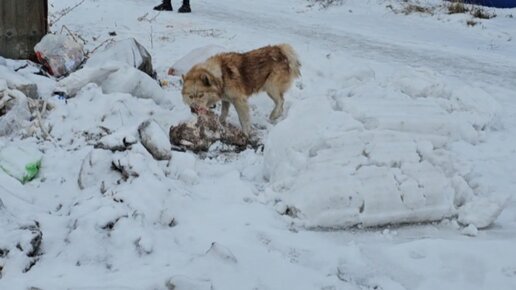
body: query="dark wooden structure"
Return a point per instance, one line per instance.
(22, 24)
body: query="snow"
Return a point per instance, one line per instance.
(393, 141)
(391, 168)
(197, 55)
(470, 230)
(18, 82)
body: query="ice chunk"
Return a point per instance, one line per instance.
(470, 230)
(480, 212)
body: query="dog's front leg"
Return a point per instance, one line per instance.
(224, 111)
(242, 109)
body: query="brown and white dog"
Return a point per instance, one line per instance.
(233, 77)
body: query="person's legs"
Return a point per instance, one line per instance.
(185, 8)
(166, 5)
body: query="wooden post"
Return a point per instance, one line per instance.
(22, 25)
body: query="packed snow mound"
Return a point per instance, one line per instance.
(379, 156)
(17, 81)
(107, 121)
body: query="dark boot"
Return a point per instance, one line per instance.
(185, 8)
(166, 5)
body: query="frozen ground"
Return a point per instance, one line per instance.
(397, 119)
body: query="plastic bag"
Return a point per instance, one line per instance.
(127, 51)
(22, 163)
(14, 109)
(60, 54)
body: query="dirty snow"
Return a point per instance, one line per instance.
(391, 168)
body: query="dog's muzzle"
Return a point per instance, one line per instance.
(199, 110)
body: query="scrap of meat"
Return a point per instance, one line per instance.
(200, 133)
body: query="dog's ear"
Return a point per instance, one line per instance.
(205, 78)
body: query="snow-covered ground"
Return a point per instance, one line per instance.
(397, 119)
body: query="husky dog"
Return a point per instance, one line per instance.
(233, 77)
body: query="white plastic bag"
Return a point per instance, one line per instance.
(20, 162)
(114, 77)
(60, 54)
(14, 109)
(127, 51)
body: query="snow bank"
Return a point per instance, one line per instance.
(370, 154)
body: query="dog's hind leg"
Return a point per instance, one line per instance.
(224, 111)
(277, 97)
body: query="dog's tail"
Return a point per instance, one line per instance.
(293, 60)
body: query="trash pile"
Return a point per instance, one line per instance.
(128, 140)
(108, 106)
(123, 66)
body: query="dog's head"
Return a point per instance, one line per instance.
(201, 90)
